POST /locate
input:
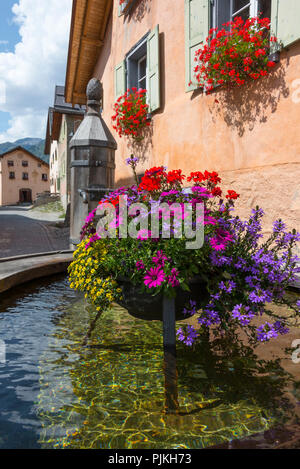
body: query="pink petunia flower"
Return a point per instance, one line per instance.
(220, 240)
(172, 279)
(140, 265)
(160, 258)
(154, 277)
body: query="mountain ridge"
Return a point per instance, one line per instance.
(34, 145)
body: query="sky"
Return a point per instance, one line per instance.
(34, 36)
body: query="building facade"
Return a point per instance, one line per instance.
(22, 176)
(250, 135)
(63, 121)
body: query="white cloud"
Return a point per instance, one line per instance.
(36, 66)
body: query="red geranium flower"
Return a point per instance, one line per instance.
(232, 195)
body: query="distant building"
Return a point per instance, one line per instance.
(63, 121)
(22, 176)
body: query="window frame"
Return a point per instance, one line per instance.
(44, 178)
(25, 164)
(12, 175)
(139, 78)
(139, 47)
(25, 176)
(148, 46)
(10, 163)
(253, 11)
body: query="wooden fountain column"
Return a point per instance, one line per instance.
(170, 369)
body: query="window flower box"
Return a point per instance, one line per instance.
(235, 54)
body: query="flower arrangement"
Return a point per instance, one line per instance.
(130, 114)
(243, 272)
(234, 54)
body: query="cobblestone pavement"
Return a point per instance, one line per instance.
(23, 231)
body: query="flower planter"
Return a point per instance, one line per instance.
(143, 305)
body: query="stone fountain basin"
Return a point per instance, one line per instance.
(21, 269)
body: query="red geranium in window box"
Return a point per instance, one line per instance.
(235, 55)
(130, 115)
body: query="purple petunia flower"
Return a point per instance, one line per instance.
(191, 309)
(243, 314)
(219, 260)
(260, 296)
(268, 331)
(154, 277)
(132, 161)
(227, 286)
(278, 226)
(187, 336)
(209, 318)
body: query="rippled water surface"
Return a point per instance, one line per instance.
(57, 393)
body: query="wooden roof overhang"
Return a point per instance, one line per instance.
(54, 124)
(88, 25)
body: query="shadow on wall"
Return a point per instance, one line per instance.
(140, 149)
(243, 108)
(139, 10)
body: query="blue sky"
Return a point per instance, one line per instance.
(9, 30)
(9, 36)
(34, 37)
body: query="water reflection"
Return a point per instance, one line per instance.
(57, 393)
(115, 388)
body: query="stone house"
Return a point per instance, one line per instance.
(22, 176)
(251, 137)
(63, 121)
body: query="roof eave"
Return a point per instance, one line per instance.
(86, 41)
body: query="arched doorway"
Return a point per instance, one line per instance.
(25, 196)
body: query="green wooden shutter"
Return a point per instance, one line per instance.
(120, 79)
(285, 22)
(197, 13)
(153, 72)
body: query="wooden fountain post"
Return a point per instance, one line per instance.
(170, 369)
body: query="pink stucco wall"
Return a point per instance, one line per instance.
(251, 136)
(10, 188)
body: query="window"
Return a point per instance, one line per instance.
(25, 176)
(10, 163)
(39, 165)
(136, 65)
(141, 69)
(142, 73)
(12, 175)
(44, 177)
(227, 10)
(24, 163)
(201, 15)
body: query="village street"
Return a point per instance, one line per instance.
(24, 231)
